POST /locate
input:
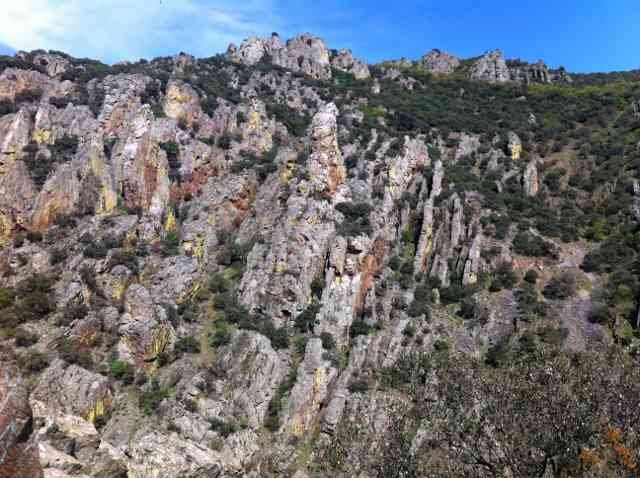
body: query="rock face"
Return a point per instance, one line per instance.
(439, 62)
(325, 162)
(155, 455)
(536, 73)
(636, 201)
(315, 376)
(74, 390)
(345, 61)
(491, 67)
(54, 64)
(514, 145)
(19, 455)
(305, 53)
(182, 102)
(144, 328)
(252, 50)
(530, 179)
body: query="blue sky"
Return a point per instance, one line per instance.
(587, 35)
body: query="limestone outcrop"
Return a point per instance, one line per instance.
(304, 53)
(439, 62)
(491, 67)
(345, 61)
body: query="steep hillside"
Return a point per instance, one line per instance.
(282, 261)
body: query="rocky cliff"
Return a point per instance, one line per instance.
(265, 263)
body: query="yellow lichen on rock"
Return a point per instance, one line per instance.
(170, 224)
(42, 136)
(297, 427)
(516, 151)
(108, 200)
(98, 410)
(159, 343)
(198, 249)
(119, 289)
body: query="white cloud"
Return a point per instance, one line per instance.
(112, 30)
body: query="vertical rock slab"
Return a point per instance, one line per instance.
(325, 164)
(530, 180)
(19, 457)
(315, 376)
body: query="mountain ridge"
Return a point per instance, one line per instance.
(281, 261)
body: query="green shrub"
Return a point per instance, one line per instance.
(7, 296)
(150, 400)
(123, 257)
(32, 361)
(356, 221)
(24, 338)
(171, 244)
(453, 294)
(221, 427)
(359, 327)
(318, 285)
(58, 255)
(121, 370)
(358, 385)
(272, 420)
(6, 107)
(187, 345)
(504, 277)
(28, 95)
(328, 342)
(307, 319)
(528, 244)
(561, 286)
(531, 276)
(95, 250)
(221, 336)
(468, 308)
(69, 351)
(72, 311)
(600, 314)
(34, 298)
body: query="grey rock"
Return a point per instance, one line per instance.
(54, 64)
(325, 163)
(154, 454)
(73, 390)
(636, 200)
(19, 455)
(305, 53)
(144, 328)
(345, 61)
(254, 372)
(439, 62)
(490, 67)
(472, 265)
(315, 376)
(530, 180)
